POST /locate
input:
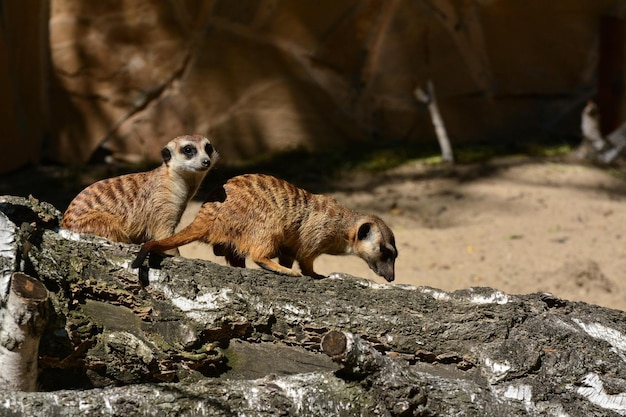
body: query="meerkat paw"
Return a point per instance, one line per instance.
(141, 256)
(312, 274)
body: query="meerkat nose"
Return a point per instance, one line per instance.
(206, 163)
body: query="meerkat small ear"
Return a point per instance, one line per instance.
(166, 154)
(364, 231)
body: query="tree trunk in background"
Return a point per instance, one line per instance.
(227, 341)
(24, 73)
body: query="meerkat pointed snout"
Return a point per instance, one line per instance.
(263, 217)
(138, 207)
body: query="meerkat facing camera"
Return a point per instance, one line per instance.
(264, 217)
(135, 208)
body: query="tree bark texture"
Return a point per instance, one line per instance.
(22, 319)
(191, 337)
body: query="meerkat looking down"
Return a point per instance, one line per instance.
(263, 217)
(138, 207)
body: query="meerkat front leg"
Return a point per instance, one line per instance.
(306, 266)
(268, 264)
(286, 261)
(266, 249)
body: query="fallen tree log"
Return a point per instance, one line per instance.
(195, 338)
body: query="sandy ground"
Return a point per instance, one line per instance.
(517, 224)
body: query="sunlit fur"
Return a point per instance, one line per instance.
(135, 208)
(263, 217)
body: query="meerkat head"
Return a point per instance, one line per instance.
(193, 153)
(375, 244)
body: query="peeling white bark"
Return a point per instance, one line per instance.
(22, 320)
(8, 255)
(594, 391)
(613, 337)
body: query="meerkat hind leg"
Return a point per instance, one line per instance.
(232, 258)
(104, 225)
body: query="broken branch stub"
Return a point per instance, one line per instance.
(392, 382)
(594, 146)
(22, 321)
(358, 358)
(334, 343)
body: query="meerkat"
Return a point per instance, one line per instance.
(136, 208)
(263, 217)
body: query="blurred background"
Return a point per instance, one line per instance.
(83, 80)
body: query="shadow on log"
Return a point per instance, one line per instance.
(204, 339)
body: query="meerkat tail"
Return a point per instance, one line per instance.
(185, 236)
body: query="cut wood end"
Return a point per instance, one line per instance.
(28, 287)
(334, 343)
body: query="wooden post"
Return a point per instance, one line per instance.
(22, 320)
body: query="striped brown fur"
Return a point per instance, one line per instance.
(263, 217)
(135, 208)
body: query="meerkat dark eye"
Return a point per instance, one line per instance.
(189, 151)
(208, 149)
